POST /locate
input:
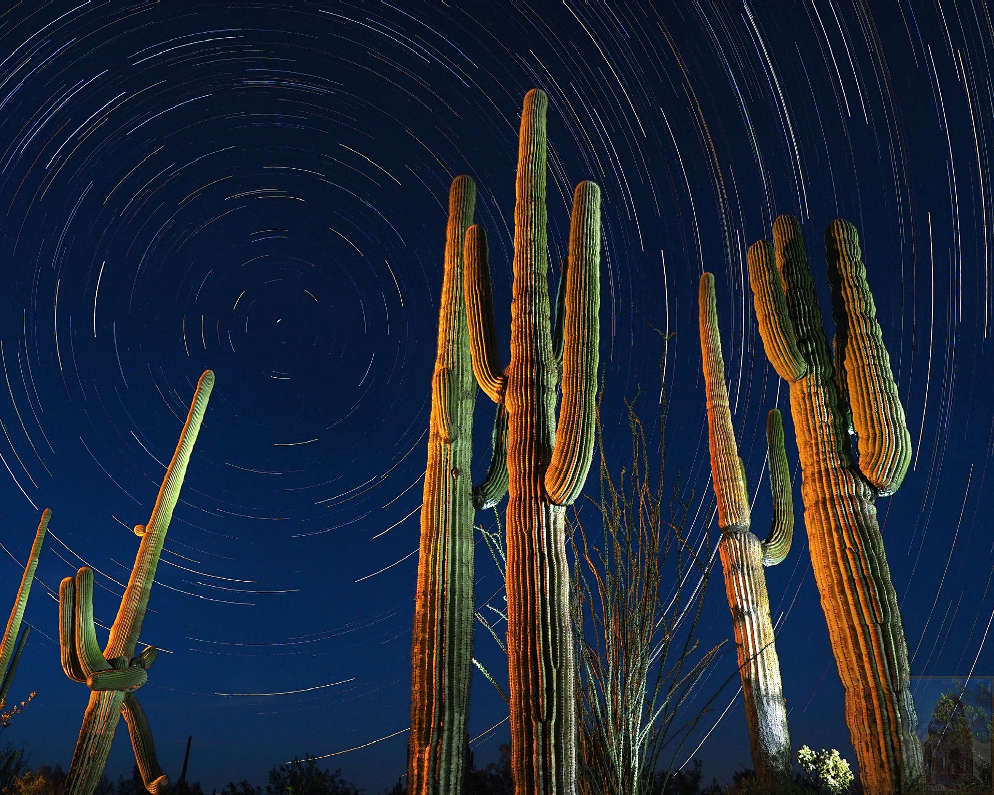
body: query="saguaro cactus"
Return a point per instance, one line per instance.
(743, 556)
(546, 467)
(441, 647)
(115, 674)
(13, 645)
(847, 550)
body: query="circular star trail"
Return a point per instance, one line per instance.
(259, 188)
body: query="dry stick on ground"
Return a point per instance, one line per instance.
(639, 667)
(117, 672)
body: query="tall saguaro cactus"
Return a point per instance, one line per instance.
(441, 647)
(847, 551)
(743, 555)
(547, 466)
(12, 644)
(116, 673)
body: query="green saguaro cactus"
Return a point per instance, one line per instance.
(743, 556)
(847, 551)
(13, 644)
(441, 645)
(547, 466)
(116, 673)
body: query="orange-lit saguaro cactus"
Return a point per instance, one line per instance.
(743, 555)
(847, 550)
(114, 674)
(547, 466)
(441, 645)
(12, 645)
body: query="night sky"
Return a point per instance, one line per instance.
(260, 188)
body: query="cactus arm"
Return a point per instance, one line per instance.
(67, 631)
(8, 677)
(103, 712)
(480, 315)
(775, 325)
(726, 466)
(557, 321)
(494, 486)
(87, 649)
(877, 415)
(776, 547)
(141, 742)
(127, 625)
(574, 446)
(23, 592)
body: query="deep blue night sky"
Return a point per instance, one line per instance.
(259, 188)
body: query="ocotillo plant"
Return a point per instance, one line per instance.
(743, 555)
(847, 551)
(442, 640)
(10, 653)
(115, 674)
(547, 466)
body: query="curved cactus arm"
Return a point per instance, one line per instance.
(494, 486)
(103, 712)
(23, 592)
(726, 466)
(127, 625)
(775, 325)
(877, 414)
(574, 446)
(8, 677)
(776, 547)
(480, 314)
(67, 631)
(557, 321)
(147, 657)
(127, 679)
(88, 653)
(144, 747)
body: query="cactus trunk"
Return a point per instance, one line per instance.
(847, 551)
(742, 556)
(441, 648)
(9, 657)
(546, 470)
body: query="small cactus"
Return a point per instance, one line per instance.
(743, 556)
(114, 674)
(546, 465)
(831, 392)
(10, 654)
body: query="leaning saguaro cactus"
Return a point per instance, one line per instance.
(743, 555)
(12, 645)
(547, 466)
(116, 673)
(847, 550)
(441, 646)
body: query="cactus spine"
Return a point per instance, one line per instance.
(546, 467)
(847, 551)
(441, 647)
(116, 673)
(10, 654)
(743, 556)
